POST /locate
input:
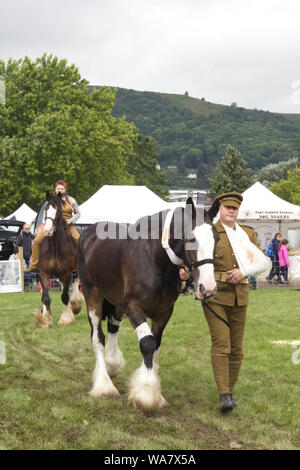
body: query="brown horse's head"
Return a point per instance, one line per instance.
(53, 213)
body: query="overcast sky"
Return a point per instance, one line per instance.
(226, 51)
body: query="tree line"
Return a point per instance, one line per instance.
(54, 125)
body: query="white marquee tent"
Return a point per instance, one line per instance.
(24, 213)
(269, 214)
(120, 204)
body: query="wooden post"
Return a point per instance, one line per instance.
(20, 257)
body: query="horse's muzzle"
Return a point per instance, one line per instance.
(203, 294)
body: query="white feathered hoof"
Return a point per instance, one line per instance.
(114, 368)
(105, 388)
(42, 320)
(144, 391)
(113, 356)
(76, 299)
(67, 317)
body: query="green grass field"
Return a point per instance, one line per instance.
(44, 385)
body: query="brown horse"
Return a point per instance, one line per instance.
(58, 257)
(130, 273)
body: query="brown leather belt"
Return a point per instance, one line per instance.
(222, 276)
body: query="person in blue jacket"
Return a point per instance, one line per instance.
(275, 270)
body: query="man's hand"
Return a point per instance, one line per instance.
(183, 274)
(234, 276)
(69, 221)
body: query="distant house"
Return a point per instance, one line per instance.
(157, 166)
(173, 167)
(192, 176)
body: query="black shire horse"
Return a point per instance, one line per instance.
(126, 274)
(58, 257)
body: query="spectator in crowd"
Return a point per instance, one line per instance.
(24, 239)
(284, 261)
(275, 270)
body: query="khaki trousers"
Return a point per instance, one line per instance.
(227, 343)
(36, 246)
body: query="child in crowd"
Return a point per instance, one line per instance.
(284, 261)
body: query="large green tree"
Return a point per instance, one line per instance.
(143, 165)
(289, 188)
(231, 174)
(275, 172)
(52, 128)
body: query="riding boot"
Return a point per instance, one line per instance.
(35, 256)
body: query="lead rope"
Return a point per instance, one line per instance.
(215, 313)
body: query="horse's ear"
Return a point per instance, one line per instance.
(212, 211)
(47, 195)
(189, 204)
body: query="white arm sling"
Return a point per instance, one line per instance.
(250, 259)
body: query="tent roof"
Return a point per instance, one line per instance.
(120, 204)
(24, 212)
(259, 203)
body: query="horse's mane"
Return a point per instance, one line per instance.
(56, 201)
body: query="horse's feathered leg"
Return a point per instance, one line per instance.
(67, 317)
(114, 359)
(102, 384)
(43, 316)
(144, 384)
(157, 329)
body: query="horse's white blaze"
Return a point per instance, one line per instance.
(102, 384)
(144, 390)
(51, 212)
(114, 359)
(205, 274)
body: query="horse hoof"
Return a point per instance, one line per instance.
(66, 320)
(43, 321)
(112, 393)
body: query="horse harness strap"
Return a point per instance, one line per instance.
(165, 239)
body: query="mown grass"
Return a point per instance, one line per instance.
(44, 385)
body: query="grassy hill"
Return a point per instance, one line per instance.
(193, 133)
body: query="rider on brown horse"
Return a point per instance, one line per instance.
(71, 213)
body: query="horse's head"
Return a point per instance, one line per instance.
(201, 238)
(52, 211)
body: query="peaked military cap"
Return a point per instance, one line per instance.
(230, 199)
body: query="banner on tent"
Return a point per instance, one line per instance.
(10, 276)
(266, 214)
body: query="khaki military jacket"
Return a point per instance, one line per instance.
(224, 260)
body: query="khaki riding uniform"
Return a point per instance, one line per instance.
(67, 210)
(230, 302)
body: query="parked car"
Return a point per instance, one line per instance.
(9, 230)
